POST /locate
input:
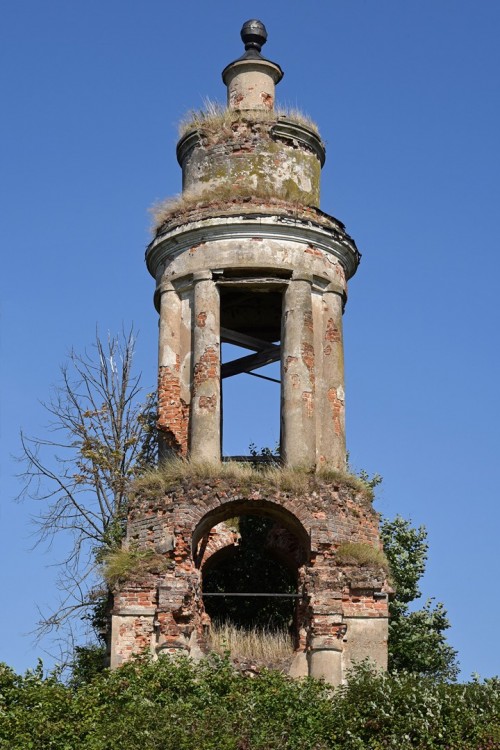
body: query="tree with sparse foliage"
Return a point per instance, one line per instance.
(102, 436)
(416, 637)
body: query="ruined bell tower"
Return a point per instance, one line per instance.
(245, 256)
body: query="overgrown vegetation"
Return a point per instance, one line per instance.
(216, 117)
(218, 123)
(359, 553)
(130, 564)
(222, 194)
(245, 475)
(262, 644)
(174, 704)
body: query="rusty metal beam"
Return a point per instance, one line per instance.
(242, 339)
(251, 362)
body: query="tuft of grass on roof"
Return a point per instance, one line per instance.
(131, 564)
(164, 210)
(215, 118)
(285, 478)
(359, 553)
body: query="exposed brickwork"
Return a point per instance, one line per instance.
(134, 635)
(337, 410)
(186, 524)
(173, 412)
(332, 332)
(201, 319)
(308, 359)
(310, 250)
(220, 537)
(307, 400)
(207, 367)
(267, 100)
(208, 403)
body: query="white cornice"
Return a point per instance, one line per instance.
(167, 246)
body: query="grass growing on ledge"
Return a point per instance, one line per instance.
(215, 118)
(288, 479)
(163, 210)
(129, 564)
(362, 554)
(263, 645)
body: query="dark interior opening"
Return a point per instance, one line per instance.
(256, 565)
(254, 312)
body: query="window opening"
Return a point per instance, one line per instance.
(250, 354)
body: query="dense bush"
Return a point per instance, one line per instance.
(177, 705)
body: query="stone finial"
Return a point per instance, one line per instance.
(251, 79)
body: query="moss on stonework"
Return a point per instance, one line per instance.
(288, 479)
(359, 553)
(258, 165)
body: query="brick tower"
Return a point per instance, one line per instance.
(246, 256)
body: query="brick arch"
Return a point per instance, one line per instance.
(244, 506)
(213, 541)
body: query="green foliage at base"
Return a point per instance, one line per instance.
(417, 640)
(174, 704)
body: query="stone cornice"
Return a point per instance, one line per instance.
(174, 242)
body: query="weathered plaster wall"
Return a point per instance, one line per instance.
(252, 157)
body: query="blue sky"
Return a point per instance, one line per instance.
(406, 98)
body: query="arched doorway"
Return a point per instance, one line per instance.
(251, 557)
(250, 584)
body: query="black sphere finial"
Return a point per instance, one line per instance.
(253, 34)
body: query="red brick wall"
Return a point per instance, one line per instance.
(173, 412)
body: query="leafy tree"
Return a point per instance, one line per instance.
(103, 437)
(416, 637)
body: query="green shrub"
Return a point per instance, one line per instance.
(175, 704)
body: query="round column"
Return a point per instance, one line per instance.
(332, 449)
(298, 376)
(172, 419)
(205, 444)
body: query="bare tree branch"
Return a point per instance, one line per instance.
(105, 437)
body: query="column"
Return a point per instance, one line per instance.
(205, 401)
(325, 661)
(297, 375)
(172, 414)
(332, 450)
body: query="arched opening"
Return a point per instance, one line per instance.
(250, 555)
(251, 585)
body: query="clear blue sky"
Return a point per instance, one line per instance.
(406, 96)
